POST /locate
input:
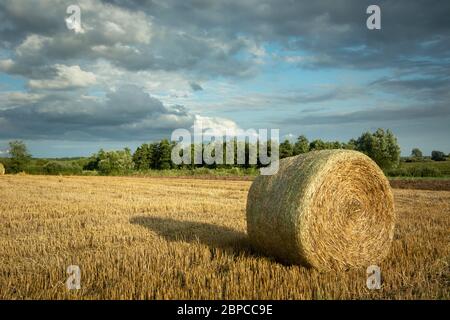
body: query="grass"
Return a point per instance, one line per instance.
(419, 178)
(72, 166)
(219, 172)
(169, 238)
(442, 166)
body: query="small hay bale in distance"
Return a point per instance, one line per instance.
(330, 210)
(2, 169)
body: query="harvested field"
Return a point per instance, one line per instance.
(397, 183)
(421, 184)
(139, 238)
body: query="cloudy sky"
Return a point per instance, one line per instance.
(137, 70)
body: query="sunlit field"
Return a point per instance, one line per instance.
(172, 238)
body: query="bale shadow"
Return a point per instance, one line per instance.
(212, 235)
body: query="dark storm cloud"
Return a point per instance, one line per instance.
(124, 114)
(333, 33)
(297, 98)
(209, 37)
(195, 86)
(131, 40)
(373, 115)
(206, 39)
(191, 34)
(20, 18)
(338, 93)
(434, 89)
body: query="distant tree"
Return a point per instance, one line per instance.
(142, 157)
(317, 145)
(381, 146)
(154, 155)
(19, 156)
(416, 153)
(115, 162)
(92, 163)
(334, 145)
(350, 145)
(301, 145)
(437, 155)
(164, 155)
(286, 149)
(111, 162)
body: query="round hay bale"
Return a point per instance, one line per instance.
(330, 209)
(2, 169)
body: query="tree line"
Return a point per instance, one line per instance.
(381, 145)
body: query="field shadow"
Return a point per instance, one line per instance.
(211, 235)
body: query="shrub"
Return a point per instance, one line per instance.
(414, 171)
(424, 172)
(55, 167)
(398, 172)
(235, 171)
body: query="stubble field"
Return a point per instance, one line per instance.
(169, 238)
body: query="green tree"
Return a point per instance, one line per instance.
(381, 146)
(416, 153)
(164, 155)
(286, 149)
(437, 155)
(19, 156)
(350, 145)
(111, 162)
(301, 145)
(317, 145)
(142, 157)
(334, 145)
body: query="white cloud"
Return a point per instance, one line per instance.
(67, 77)
(32, 44)
(6, 65)
(294, 59)
(217, 126)
(289, 136)
(115, 24)
(14, 98)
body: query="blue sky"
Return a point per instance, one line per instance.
(137, 70)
